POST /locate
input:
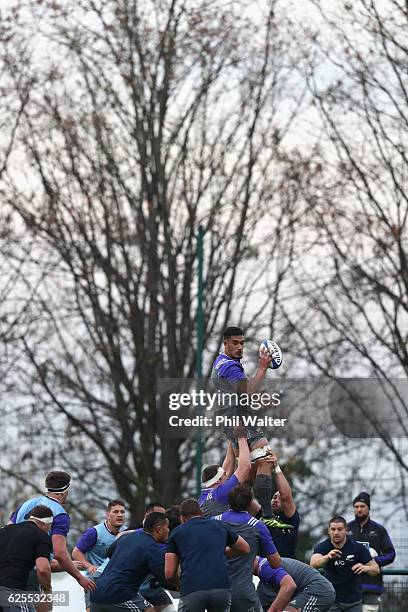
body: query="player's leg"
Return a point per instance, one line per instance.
(341, 607)
(218, 600)
(136, 604)
(243, 605)
(371, 602)
(193, 602)
(262, 487)
(157, 597)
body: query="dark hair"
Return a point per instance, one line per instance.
(57, 481)
(153, 519)
(240, 498)
(233, 331)
(41, 512)
(209, 472)
(190, 507)
(115, 502)
(338, 519)
(149, 507)
(173, 514)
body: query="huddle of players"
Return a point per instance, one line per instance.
(199, 546)
(139, 565)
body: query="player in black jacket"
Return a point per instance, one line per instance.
(375, 537)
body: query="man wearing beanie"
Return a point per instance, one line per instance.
(375, 537)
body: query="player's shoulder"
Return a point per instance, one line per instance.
(223, 361)
(34, 535)
(351, 542)
(45, 537)
(92, 529)
(254, 522)
(293, 520)
(375, 525)
(323, 546)
(177, 530)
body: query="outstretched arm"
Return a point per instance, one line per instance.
(288, 505)
(244, 462)
(252, 385)
(229, 462)
(317, 560)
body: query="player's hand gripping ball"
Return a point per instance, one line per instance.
(268, 346)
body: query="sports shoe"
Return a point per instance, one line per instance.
(275, 523)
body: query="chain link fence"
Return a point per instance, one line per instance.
(395, 597)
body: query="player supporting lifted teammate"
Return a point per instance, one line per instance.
(244, 597)
(284, 509)
(218, 481)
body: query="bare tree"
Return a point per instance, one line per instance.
(354, 282)
(143, 121)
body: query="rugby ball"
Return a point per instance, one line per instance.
(268, 346)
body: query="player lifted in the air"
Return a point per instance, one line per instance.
(228, 376)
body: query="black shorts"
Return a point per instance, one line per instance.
(254, 435)
(212, 600)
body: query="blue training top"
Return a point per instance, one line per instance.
(61, 522)
(95, 541)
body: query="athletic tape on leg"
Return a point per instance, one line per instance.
(260, 453)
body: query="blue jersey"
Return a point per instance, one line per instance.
(214, 500)
(308, 580)
(236, 520)
(240, 567)
(226, 375)
(94, 543)
(271, 575)
(227, 372)
(61, 522)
